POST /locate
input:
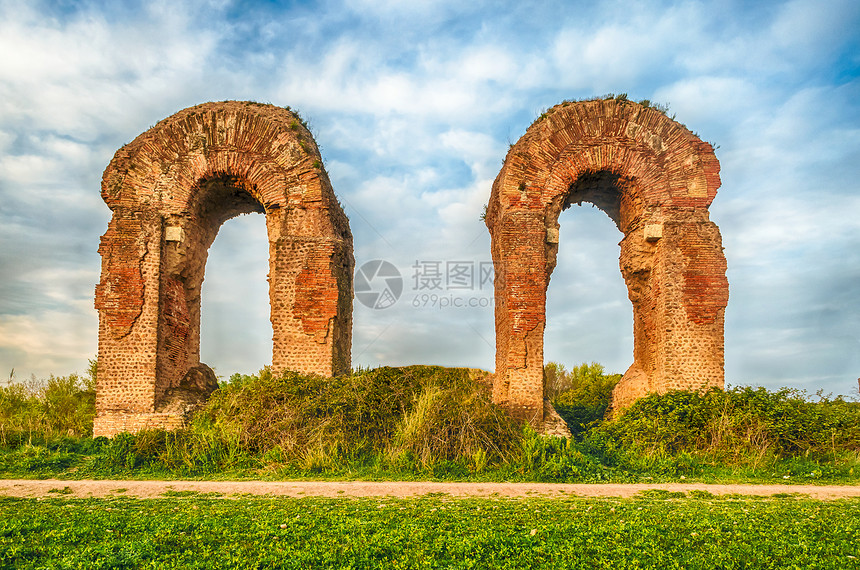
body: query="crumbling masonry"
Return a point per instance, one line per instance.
(170, 190)
(655, 179)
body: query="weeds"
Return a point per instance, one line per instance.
(662, 108)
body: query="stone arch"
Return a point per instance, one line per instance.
(170, 190)
(655, 179)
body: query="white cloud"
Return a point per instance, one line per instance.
(801, 25)
(478, 150)
(791, 38)
(75, 75)
(627, 46)
(50, 342)
(708, 99)
(407, 14)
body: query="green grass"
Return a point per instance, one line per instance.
(540, 459)
(429, 532)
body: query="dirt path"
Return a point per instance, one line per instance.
(150, 489)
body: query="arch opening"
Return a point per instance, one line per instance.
(182, 378)
(601, 188)
(589, 317)
(235, 319)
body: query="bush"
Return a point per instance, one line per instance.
(580, 396)
(43, 410)
(741, 425)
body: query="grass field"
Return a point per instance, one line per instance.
(658, 530)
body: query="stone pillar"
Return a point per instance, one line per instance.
(310, 291)
(520, 285)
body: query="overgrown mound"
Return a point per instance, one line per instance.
(742, 425)
(416, 413)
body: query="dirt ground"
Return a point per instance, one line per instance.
(228, 489)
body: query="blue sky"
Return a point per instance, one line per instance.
(414, 106)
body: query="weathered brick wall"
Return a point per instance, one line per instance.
(655, 179)
(170, 190)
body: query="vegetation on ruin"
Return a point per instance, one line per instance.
(654, 530)
(426, 422)
(662, 108)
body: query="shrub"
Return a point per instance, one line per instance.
(69, 406)
(580, 396)
(61, 406)
(741, 425)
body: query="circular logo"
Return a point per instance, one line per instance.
(378, 284)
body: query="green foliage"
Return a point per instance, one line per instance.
(557, 459)
(182, 452)
(62, 406)
(555, 380)
(580, 396)
(428, 532)
(741, 425)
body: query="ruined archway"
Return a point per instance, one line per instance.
(655, 179)
(170, 190)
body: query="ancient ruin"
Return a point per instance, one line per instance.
(170, 190)
(655, 179)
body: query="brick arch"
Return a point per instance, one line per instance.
(655, 179)
(170, 190)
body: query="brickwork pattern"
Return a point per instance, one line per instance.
(170, 190)
(655, 179)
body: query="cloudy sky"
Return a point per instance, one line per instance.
(414, 105)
